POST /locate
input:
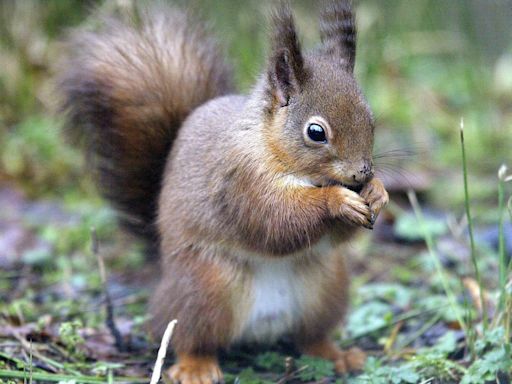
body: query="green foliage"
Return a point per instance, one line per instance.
(20, 308)
(69, 333)
(248, 376)
(270, 361)
(408, 227)
(440, 302)
(446, 344)
(387, 292)
(495, 356)
(314, 369)
(487, 367)
(375, 373)
(369, 317)
(34, 153)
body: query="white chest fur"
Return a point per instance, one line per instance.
(279, 295)
(274, 302)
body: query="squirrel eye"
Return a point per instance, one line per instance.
(316, 133)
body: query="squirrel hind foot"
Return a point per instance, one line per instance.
(194, 370)
(350, 360)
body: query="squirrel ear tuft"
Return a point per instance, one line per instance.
(338, 32)
(286, 69)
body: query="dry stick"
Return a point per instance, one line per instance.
(162, 351)
(291, 376)
(289, 365)
(473, 289)
(118, 338)
(289, 368)
(392, 337)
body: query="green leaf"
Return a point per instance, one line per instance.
(446, 343)
(392, 293)
(270, 361)
(408, 227)
(248, 376)
(368, 318)
(403, 374)
(316, 368)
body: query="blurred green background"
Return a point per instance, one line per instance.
(423, 65)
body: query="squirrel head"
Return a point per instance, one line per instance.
(320, 126)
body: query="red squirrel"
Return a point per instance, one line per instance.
(250, 198)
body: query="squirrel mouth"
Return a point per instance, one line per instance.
(357, 188)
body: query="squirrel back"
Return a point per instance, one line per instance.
(127, 89)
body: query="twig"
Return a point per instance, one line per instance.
(289, 368)
(118, 338)
(392, 337)
(292, 375)
(289, 365)
(162, 351)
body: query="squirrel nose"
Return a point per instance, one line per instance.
(364, 174)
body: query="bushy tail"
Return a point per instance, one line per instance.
(127, 88)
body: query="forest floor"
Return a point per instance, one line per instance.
(57, 324)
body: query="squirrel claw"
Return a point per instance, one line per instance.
(376, 196)
(353, 208)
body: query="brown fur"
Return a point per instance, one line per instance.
(199, 294)
(330, 303)
(249, 206)
(195, 369)
(127, 88)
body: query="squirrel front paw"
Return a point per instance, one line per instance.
(351, 207)
(194, 370)
(375, 196)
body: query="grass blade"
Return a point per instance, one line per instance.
(44, 376)
(435, 257)
(470, 225)
(501, 236)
